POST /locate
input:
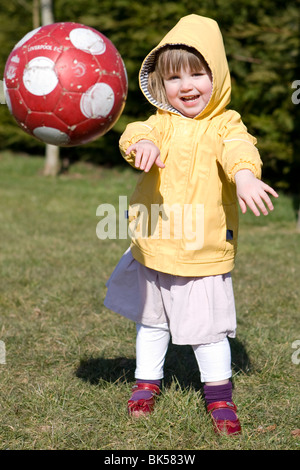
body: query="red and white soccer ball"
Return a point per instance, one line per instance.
(65, 84)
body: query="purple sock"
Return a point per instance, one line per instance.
(144, 394)
(214, 393)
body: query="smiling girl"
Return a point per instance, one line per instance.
(193, 151)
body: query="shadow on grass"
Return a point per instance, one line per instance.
(119, 369)
(180, 364)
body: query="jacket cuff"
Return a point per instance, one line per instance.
(244, 165)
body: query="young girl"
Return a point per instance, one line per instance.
(197, 160)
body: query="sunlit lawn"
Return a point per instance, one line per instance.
(70, 362)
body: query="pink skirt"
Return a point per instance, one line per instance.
(198, 310)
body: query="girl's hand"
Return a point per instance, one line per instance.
(146, 153)
(253, 193)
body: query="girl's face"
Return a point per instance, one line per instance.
(187, 91)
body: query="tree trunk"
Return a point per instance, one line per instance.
(35, 14)
(47, 12)
(52, 162)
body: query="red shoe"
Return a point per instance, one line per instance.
(224, 426)
(143, 407)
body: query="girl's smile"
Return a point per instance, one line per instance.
(189, 92)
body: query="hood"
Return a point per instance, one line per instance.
(204, 35)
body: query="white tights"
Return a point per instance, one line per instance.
(214, 359)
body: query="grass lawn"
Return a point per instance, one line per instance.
(70, 362)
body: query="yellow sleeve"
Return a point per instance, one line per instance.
(239, 150)
(151, 129)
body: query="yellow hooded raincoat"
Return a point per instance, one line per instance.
(184, 217)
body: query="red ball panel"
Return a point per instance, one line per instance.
(77, 71)
(36, 119)
(68, 108)
(86, 129)
(44, 103)
(18, 107)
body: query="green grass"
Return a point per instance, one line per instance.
(70, 362)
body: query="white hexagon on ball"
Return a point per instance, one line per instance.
(87, 41)
(50, 135)
(98, 101)
(39, 76)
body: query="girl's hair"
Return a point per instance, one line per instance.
(168, 60)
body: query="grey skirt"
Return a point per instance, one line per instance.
(198, 310)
